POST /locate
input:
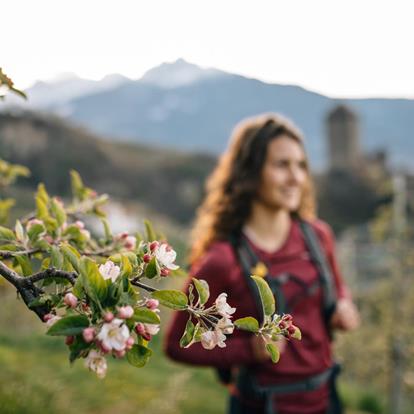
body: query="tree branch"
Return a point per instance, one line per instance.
(49, 273)
(27, 290)
(143, 286)
(7, 254)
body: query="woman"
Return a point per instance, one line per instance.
(261, 195)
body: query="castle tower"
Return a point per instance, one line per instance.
(343, 139)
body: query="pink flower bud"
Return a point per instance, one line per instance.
(153, 245)
(108, 317)
(93, 194)
(130, 242)
(152, 304)
(69, 340)
(80, 224)
(291, 329)
(282, 325)
(122, 236)
(88, 334)
(70, 300)
(146, 258)
(120, 354)
(165, 272)
(47, 317)
(140, 328)
(287, 318)
(85, 307)
(125, 312)
(102, 347)
(49, 239)
(130, 342)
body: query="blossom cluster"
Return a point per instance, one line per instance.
(220, 315)
(113, 331)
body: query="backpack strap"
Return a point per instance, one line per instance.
(247, 258)
(319, 258)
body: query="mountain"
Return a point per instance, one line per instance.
(178, 73)
(56, 95)
(180, 105)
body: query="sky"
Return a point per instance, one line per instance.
(343, 49)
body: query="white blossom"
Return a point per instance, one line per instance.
(225, 325)
(152, 328)
(166, 256)
(114, 335)
(109, 271)
(223, 308)
(211, 339)
(96, 363)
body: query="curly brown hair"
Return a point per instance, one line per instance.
(233, 184)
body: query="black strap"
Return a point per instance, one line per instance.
(319, 258)
(246, 258)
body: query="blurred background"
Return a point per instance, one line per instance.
(141, 100)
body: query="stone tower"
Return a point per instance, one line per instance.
(343, 139)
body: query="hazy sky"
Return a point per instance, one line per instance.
(352, 48)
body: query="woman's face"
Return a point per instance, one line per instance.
(284, 174)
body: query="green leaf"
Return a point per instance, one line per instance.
(42, 193)
(297, 334)
(70, 325)
(132, 257)
(107, 229)
(152, 269)
(77, 348)
(149, 230)
(266, 295)
(73, 231)
(77, 185)
(273, 351)
(42, 199)
(188, 336)
(6, 234)
(173, 299)
(25, 265)
(58, 211)
(247, 324)
(18, 228)
(71, 254)
(93, 282)
(126, 267)
(35, 231)
(56, 258)
(146, 316)
(203, 290)
(41, 300)
(138, 355)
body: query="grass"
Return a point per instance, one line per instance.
(36, 377)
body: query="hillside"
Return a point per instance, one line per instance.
(164, 180)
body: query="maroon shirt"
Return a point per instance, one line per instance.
(300, 359)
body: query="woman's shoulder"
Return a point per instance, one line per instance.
(219, 256)
(323, 230)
